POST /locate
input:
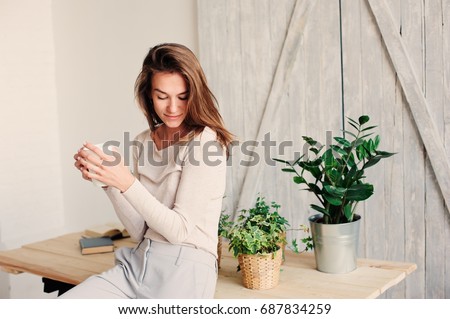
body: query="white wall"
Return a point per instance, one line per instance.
(30, 171)
(67, 70)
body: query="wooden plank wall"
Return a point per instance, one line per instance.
(446, 118)
(240, 45)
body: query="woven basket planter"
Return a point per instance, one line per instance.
(283, 247)
(219, 251)
(260, 271)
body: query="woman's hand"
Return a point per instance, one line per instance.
(95, 164)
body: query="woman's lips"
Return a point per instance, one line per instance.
(172, 117)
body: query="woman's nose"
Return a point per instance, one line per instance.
(172, 107)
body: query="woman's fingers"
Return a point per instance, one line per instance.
(81, 167)
(96, 150)
(90, 157)
(89, 161)
(97, 155)
(86, 174)
(78, 165)
(91, 166)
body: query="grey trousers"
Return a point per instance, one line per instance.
(153, 270)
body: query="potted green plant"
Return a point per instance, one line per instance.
(335, 175)
(255, 239)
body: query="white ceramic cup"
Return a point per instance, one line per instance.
(94, 181)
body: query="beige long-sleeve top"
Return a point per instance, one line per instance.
(178, 191)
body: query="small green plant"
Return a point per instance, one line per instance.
(335, 175)
(307, 241)
(258, 230)
(225, 225)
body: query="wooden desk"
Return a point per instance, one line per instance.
(59, 259)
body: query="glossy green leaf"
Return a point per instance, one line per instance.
(335, 176)
(372, 161)
(354, 126)
(299, 180)
(312, 167)
(309, 140)
(342, 141)
(384, 154)
(281, 161)
(350, 120)
(338, 150)
(320, 209)
(359, 192)
(335, 191)
(328, 158)
(314, 188)
(348, 212)
(377, 141)
(332, 199)
(363, 119)
(368, 128)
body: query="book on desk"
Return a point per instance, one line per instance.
(96, 245)
(113, 230)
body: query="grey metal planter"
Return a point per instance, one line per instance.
(335, 245)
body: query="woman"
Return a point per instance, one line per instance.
(171, 203)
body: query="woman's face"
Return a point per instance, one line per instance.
(170, 96)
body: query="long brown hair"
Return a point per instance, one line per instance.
(202, 109)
